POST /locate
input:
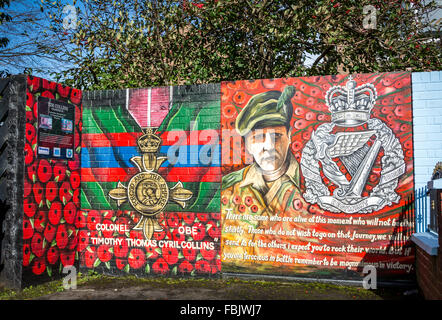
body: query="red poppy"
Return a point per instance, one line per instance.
(38, 265)
(76, 96)
(52, 255)
(80, 220)
(67, 257)
(185, 267)
(173, 220)
(200, 231)
(189, 253)
(38, 193)
(59, 171)
(26, 254)
(239, 97)
(83, 240)
(121, 248)
(55, 213)
(90, 256)
(170, 255)
(37, 244)
(248, 201)
(61, 236)
(203, 217)
(65, 192)
(28, 231)
(208, 254)
(48, 85)
(93, 218)
(188, 217)
(33, 83)
(178, 236)
(75, 179)
(151, 252)
(29, 208)
(228, 111)
(297, 204)
(49, 232)
(40, 220)
(104, 253)
(69, 212)
(160, 266)
(202, 266)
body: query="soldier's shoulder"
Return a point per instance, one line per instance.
(232, 178)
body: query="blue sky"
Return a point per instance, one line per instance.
(29, 28)
(27, 33)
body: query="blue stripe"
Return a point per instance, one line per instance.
(178, 156)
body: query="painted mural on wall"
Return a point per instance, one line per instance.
(317, 178)
(150, 201)
(51, 187)
(317, 175)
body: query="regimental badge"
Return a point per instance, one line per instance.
(351, 106)
(147, 192)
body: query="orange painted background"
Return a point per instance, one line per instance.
(396, 256)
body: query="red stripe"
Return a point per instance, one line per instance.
(129, 139)
(175, 174)
(195, 137)
(107, 174)
(194, 174)
(121, 139)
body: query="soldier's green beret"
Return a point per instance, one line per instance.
(267, 109)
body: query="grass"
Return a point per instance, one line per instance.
(226, 288)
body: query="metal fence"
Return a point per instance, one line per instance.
(434, 209)
(421, 209)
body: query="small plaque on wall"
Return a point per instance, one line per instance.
(56, 121)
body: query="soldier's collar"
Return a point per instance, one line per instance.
(252, 175)
(293, 170)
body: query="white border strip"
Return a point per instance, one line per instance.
(149, 98)
(170, 97)
(127, 99)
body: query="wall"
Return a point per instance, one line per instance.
(300, 228)
(160, 183)
(51, 191)
(12, 129)
(141, 215)
(429, 253)
(39, 196)
(427, 123)
(427, 136)
(429, 273)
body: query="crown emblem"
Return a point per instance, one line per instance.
(351, 106)
(149, 142)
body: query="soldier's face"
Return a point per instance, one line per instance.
(268, 146)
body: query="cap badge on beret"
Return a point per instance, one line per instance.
(266, 109)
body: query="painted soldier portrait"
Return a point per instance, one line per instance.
(260, 198)
(264, 125)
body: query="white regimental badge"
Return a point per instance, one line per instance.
(351, 106)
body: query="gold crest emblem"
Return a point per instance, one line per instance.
(147, 191)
